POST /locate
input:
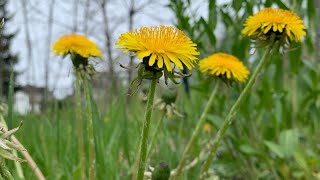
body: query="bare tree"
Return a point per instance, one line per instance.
(131, 17)
(48, 43)
(33, 8)
(86, 16)
(103, 6)
(75, 16)
(108, 36)
(30, 75)
(27, 39)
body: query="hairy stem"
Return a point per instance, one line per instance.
(92, 152)
(154, 136)
(145, 131)
(79, 126)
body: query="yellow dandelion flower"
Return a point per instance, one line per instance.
(273, 20)
(162, 44)
(224, 65)
(77, 44)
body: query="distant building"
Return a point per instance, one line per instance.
(30, 99)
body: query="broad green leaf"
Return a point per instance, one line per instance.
(289, 140)
(275, 148)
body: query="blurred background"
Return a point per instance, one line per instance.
(36, 25)
(276, 134)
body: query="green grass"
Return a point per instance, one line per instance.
(267, 140)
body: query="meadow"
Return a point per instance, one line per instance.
(274, 133)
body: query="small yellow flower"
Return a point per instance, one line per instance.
(76, 44)
(224, 65)
(207, 128)
(279, 21)
(162, 44)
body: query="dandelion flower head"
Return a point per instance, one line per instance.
(162, 45)
(224, 65)
(77, 44)
(273, 20)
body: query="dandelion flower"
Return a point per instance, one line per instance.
(80, 49)
(282, 23)
(162, 45)
(76, 44)
(224, 65)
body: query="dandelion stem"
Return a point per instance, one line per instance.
(154, 137)
(92, 152)
(228, 120)
(195, 133)
(79, 126)
(145, 131)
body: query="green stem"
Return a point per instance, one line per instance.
(4, 172)
(228, 120)
(18, 166)
(79, 126)
(154, 137)
(195, 133)
(92, 152)
(145, 131)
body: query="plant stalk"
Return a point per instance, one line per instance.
(92, 152)
(154, 136)
(228, 120)
(79, 126)
(145, 131)
(195, 133)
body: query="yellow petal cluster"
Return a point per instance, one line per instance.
(224, 65)
(78, 44)
(280, 21)
(162, 45)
